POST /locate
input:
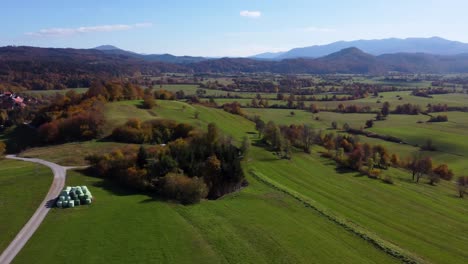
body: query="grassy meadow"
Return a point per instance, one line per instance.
(256, 225)
(262, 224)
(23, 186)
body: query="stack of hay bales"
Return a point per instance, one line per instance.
(74, 196)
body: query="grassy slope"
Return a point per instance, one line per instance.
(256, 225)
(52, 92)
(23, 186)
(426, 220)
(118, 113)
(429, 221)
(71, 154)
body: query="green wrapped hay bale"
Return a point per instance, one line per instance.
(59, 204)
(86, 196)
(68, 188)
(68, 198)
(88, 201)
(61, 198)
(77, 203)
(65, 204)
(64, 193)
(71, 203)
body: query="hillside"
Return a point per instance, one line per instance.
(109, 49)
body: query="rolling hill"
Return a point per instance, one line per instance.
(109, 49)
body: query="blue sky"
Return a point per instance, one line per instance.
(224, 28)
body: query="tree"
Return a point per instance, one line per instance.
(441, 172)
(423, 167)
(286, 148)
(97, 89)
(346, 127)
(245, 146)
(148, 102)
(334, 125)
(395, 160)
(2, 149)
(369, 123)
(386, 109)
(462, 185)
(142, 157)
(259, 126)
(307, 138)
(278, 140)
(355, 159)
(213, 133)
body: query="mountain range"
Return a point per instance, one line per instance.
(111, 61)
(434, 45)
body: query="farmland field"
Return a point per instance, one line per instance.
(23, 186)
(257, 225)
(260, 223)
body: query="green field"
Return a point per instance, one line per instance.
(426, 220)
(23, 186)
(261, 224)
(257, 225)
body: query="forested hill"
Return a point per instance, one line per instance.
(75, 66)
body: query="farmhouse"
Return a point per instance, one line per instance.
(9, 100)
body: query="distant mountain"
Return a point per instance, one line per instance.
(267, 55)
(106, 47)
(434, 45)
(109, 49)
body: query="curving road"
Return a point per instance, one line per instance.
(31, 226)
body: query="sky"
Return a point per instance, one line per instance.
(218, 28)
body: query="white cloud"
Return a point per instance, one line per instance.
(252, 14)
(54, 32)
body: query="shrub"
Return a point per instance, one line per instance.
(439, 118)
(374, 173)
(388, 179)
(184, 189)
